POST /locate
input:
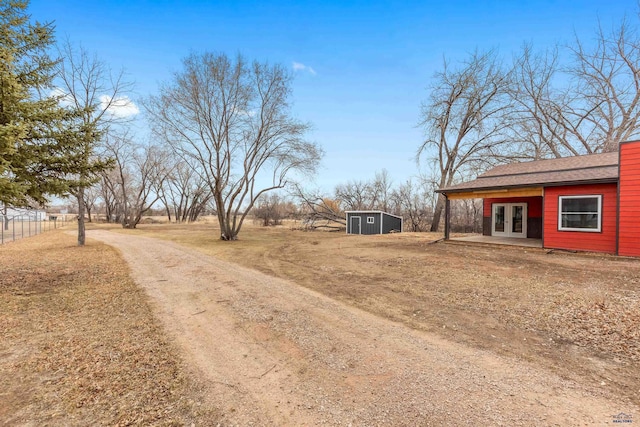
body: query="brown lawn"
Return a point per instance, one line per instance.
(578, 314)
(80, 345)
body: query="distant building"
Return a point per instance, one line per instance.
(23, 214)
(373, 222)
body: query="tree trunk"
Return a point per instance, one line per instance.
(107, 211)
(81, 229)
(437, 213)
(124, 220)
(226, 232)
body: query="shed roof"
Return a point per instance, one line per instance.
(364, 211)
(590, 168)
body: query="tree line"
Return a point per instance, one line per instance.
(222, 132)
(222, 137)
(567, 100)
(487, 110)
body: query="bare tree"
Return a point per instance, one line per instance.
(140, 170)
(411, 202)
(355, 195)
(464, 120)
(185, 194)
(479, 115)
(110, 193)
(88, 86)
(381, 189)
(91, 197)
(537, 120)
(270, 209)
(147, 178)
(365, 195)
(587, 106)
(466, 215)
(233, 120)
(320, 211)
(606, 90)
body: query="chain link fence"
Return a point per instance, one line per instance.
(20, 226)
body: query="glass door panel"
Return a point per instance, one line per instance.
(509, 220)
(499, 219)
(516, 218)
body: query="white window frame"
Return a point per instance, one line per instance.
(371, 220)
(581, 196)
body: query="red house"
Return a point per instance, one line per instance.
(585, 203)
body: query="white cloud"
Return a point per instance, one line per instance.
(64, 99)
(119, 107)
(297, 66)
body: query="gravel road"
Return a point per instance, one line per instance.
(274, 353)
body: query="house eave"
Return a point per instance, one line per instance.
(516, 190)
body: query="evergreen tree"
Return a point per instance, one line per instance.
(39, 139)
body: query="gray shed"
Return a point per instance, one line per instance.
(372, 222)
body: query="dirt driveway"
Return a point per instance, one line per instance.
(274, 353)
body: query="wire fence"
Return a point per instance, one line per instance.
(22, 226)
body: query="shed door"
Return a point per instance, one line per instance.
(355, 225)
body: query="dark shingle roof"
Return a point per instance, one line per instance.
(567, 170)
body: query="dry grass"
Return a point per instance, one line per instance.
(578, 314)
(80, 345)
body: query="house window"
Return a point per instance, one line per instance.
(580, 213)
(371, 220)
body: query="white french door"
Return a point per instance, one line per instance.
(509, 220)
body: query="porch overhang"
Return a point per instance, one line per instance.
(495, 193)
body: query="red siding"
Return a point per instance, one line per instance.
(629, 235)
(534, 205)
(603, 241)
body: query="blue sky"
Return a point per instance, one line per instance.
(367, 64)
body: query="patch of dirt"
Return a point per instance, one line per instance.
(271, 352)
(576, 314)
(80, 345)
